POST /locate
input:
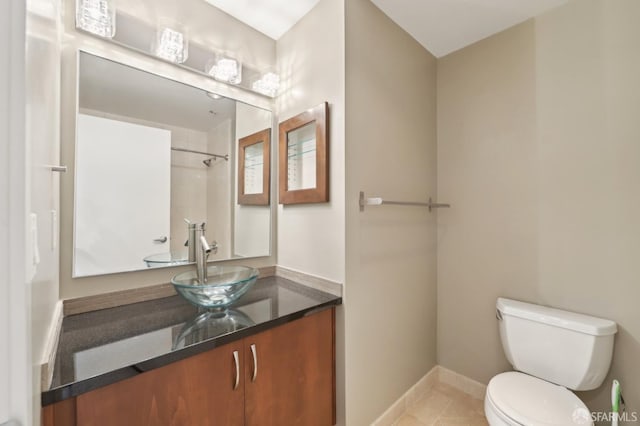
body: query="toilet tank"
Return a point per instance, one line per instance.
(565, 348)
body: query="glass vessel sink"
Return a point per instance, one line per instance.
(225, 284)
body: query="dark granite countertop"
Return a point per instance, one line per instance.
(103, 347)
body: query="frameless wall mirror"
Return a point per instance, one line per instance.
(303, 154)
(151, 152)
(254, 168)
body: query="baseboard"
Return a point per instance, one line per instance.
(414, 393)
(308, 280)
(437, 374)
(462, 383)
(51, 347)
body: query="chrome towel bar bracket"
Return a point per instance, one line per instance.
(377, 201)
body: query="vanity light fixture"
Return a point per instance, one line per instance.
(97, 17)
(268, 84)
(168, 40)
(171, 45)
(227, 70)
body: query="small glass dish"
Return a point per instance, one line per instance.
(225, 285)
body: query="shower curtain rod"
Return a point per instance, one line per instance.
(226, 157)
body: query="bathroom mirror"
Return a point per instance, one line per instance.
(303, 154)
(253, 168)
(151, 152)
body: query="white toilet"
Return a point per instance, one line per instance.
(553, 351)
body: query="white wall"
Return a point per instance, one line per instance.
(311, 238)
(538, 154)
(18, 397)
(7, 70)
(5, 105)
(311, 64)
(43, 142)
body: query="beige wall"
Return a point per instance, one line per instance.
(311, 65)
(538, 153)
(390, 300)
(253, 47)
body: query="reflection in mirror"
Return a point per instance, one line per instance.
(151, 152)
(301, 153)
(253, 168)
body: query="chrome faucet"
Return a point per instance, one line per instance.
(202, 255)
(199, 249)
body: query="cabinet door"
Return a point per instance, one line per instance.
(294, 383)
(196, 391)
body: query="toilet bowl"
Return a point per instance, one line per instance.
(554, 352)
(517, 399)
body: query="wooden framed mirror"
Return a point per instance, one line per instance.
(303, 155)
(254, 168)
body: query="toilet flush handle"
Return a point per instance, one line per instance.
(498, 314)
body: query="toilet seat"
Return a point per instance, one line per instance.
(519, 399)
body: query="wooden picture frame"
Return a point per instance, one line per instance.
(303, 139)
(252, 168)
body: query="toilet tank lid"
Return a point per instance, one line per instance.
(557, 318)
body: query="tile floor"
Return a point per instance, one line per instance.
(444, 405)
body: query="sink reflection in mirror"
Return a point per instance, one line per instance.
(166, 259)
(149, 153)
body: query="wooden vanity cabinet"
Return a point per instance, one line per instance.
(187, 392)
(295, 379)
(290, 381)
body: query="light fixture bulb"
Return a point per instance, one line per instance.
(227, 70)
(97, 17)
(268, 84)
(171, 45)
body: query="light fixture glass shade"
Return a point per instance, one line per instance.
(171, 45)
(226, 69)
(97, 17)
(268, 84)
